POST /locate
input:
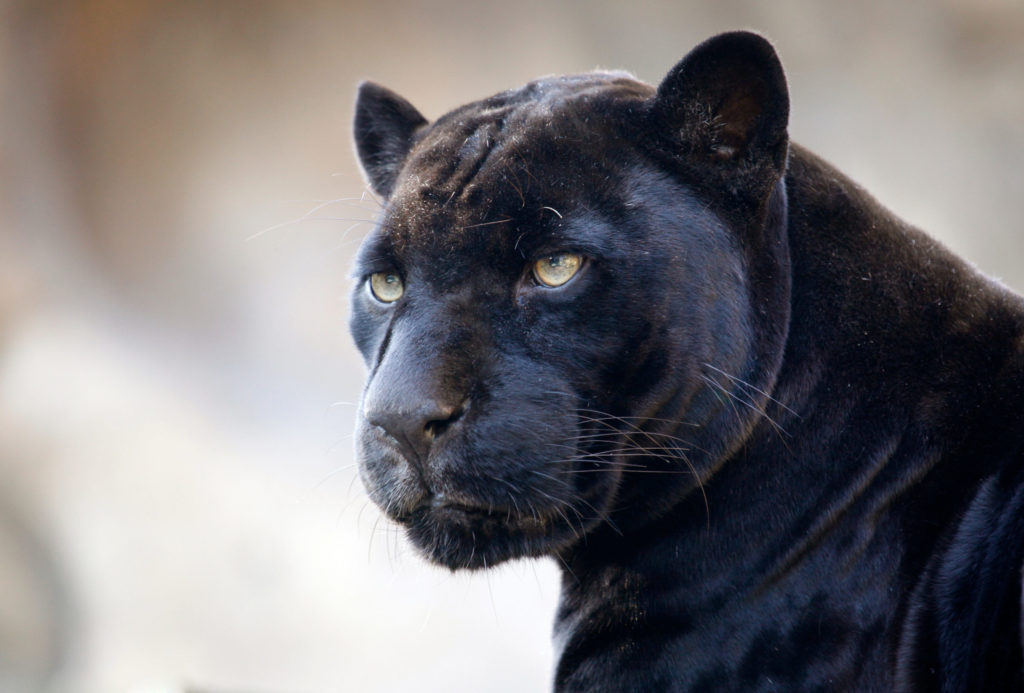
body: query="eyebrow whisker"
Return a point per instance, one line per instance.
(487, 223)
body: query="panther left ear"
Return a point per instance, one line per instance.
(384, 127)
(727, 102)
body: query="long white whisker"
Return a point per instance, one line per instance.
(752, 387)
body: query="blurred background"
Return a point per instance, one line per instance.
(179, 204)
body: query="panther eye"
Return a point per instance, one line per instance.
(555, 270)
(386, 287)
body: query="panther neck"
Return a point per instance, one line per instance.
(897, 362)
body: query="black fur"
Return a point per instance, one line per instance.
(772, 433)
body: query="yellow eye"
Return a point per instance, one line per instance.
(386, 287)
(555, 270)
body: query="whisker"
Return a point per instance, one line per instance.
(333, 473)
(308, 215)
(752, 387)
(733, 397)
(367, 191)
(487, 223)
(641, 419)
(628, 471)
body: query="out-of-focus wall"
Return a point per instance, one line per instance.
(178, 208)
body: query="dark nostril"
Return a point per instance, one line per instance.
(436, 427)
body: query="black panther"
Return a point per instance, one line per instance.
(772, 434)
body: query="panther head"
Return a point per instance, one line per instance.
(574, 300)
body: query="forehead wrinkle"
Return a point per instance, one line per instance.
(449, 158)
(475, 166)
(460, 145)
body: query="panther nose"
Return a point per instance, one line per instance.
(415, 425)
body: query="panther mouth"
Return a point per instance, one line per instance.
(461, 534)
(441, 507)
(442, 510)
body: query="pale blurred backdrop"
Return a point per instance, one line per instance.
(179, 204)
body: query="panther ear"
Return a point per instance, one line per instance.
(727, 102)
(384, 126)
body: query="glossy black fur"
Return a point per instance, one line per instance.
(772, 433)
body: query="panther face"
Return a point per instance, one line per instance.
(553, 318)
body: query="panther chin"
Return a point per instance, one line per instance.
(467, 537)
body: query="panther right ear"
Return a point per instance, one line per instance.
(384, 127)
(726, 103)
